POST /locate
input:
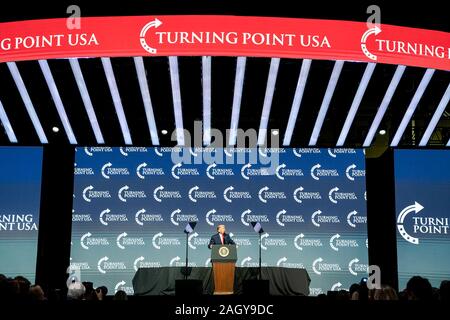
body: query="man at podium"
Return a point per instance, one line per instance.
(220, 237)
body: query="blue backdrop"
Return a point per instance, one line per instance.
(422, 191)
(131, 206)
(20, 192)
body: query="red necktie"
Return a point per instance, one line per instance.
(221, 238)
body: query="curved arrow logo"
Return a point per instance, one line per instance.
(416, 207)
(335, 286)
(192, 152)
(300, 236)
(266, 235)
(119, 194)
(103, 222)
(152, 24)
(136, 217)
(194, 235)
(136, 262)
(84, 236)
(277, 171)
(125, 154)
(336, 236)
(375, 30)
(99, 264)
(119, 237)
(317, 166)
(330, 194)
(349, 218)
(347, 171)
(138, 170)
(178, 165)
(260, 192)
(278, 217)
(190, 193)
(173, 260)
(228, 151)
(263, 154)
(314, 266)
(86, 150)
(245, 260)
(295, 194)
(280, 261)
(244, 167)
(155, 237)
(330, 152)
(225, 196)
(172, 215)
(245, 223)
(118, 285)
(155, 193)
(212, 165)
(210, 212)
(85, 192)
(313, 216)
(158, 153)
(105, 166)
(296, 153)
(350, 265)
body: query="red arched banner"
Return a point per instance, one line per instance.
(224, 36)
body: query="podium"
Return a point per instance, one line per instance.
(223, 258)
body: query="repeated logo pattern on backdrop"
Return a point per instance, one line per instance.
(131, 206)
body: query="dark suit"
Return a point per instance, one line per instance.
(215, 239)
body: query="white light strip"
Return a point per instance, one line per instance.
(412, 106)
(237, 97)
(75, 65)
(326, 101)
(27, 101)
(268, 97)
(206, 81)
(384, 105)
(301, 83)
(435, 119)
(148, 106)
(107, 67)
(7, 125)
(448, 143)
(57, 100)
(356, 102)
(176, 96)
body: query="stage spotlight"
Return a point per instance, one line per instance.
(382, 132)
(164, 131)
(55, 129)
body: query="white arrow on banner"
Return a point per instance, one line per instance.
(152, 24)
(375, 30)
(336, 286)
(336, 236)
(118, 285)
(212, 165)
(135, 263)
(350, 264)
(138, 170)
(173, 260)
(416, 207)
(347, 172)
(119, 237)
